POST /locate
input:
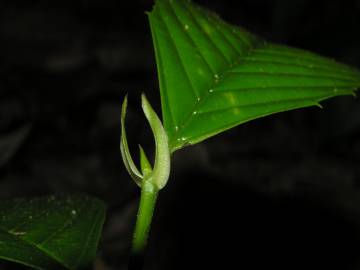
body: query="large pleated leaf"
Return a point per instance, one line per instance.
(51, 233)
(214, 76)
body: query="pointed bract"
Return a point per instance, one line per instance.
(124, 148)
(145, 165)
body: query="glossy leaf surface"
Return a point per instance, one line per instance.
(52, 232)
(214, 76)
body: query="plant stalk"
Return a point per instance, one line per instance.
(149, 193)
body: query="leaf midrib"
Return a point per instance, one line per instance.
(39, 245)
(198, 103)
(35, 246)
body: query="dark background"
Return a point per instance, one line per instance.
(282, 191)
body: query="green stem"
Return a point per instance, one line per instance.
(148, 198)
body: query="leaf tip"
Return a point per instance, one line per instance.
(124, 106)
(145, 105)
(145, 166)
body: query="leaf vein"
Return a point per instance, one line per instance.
(52, 256)
(206, 34)
(324, 87)
(285, 74)
(257, 104)
(293, 64)
(179, 57)
(276, 53)
(164, 96)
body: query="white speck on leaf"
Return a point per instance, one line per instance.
(17, 233)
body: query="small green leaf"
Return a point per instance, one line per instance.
(161, 171)
(51, 233)
(214, 76)
(124, 148)
(144, 163)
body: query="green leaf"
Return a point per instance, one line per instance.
(214, 76)
(51, 233)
